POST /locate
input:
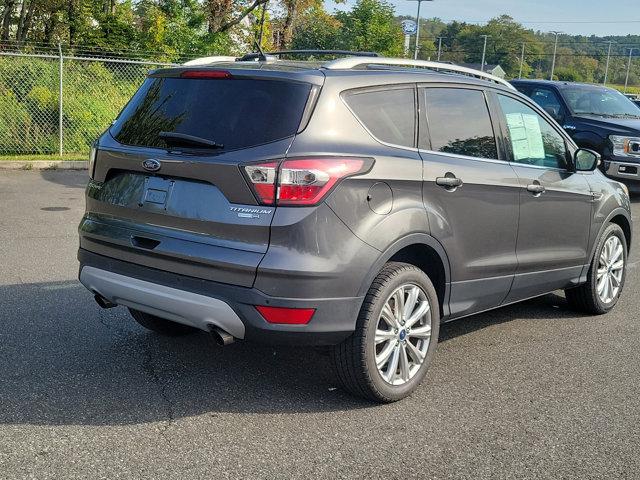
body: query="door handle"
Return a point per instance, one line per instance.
(449, 182)
(535, 188)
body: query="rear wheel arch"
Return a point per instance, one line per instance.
(424, 252)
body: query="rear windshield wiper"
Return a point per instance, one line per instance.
(175, 139)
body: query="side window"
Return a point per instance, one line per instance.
(533, 140)
(388, 114)
(458, 122)
(548, 100)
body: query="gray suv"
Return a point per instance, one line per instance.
(355, 204)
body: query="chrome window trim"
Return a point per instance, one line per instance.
(464, 157)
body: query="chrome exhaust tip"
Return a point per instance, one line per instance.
(221, 337)
(103, 302)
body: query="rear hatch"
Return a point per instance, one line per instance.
(168, 189)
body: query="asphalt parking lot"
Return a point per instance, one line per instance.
(527, 391)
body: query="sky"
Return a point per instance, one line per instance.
(576, 17)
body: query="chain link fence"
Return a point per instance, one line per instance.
(59, 104)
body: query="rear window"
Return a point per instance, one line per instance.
(388, 114)
(236, 113)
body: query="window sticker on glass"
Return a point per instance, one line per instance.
(526, 136)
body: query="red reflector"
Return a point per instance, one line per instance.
(205, 74)
(291, 316)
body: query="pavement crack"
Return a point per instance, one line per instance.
(149, 368)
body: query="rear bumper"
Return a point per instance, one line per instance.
(204, 303)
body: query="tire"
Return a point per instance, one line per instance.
(160, 325)
(354, 360)
(586, 298)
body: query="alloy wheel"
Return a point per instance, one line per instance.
(403, 333)
(610, 270)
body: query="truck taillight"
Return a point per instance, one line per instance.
(301, 181)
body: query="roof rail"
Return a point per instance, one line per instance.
(353, 62)
(326, 52)
(272, 55)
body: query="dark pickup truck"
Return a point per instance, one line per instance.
(596, 117)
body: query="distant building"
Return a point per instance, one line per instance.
(488, 68)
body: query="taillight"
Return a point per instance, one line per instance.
(262, 177)
(290, 316)
(302, 181)
(212, 74)
(92, 161)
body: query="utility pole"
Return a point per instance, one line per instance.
(555, 51)
(521, 60)
(439, 47)
(626, 80)
(484, 52)
(264, 9)
(606, 69)
(415, 54)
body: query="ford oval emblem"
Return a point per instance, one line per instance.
(151, 164)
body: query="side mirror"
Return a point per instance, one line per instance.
(554, 112)
(586, 160)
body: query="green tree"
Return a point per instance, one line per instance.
(504, 44)
(316, 29)
(371, 26)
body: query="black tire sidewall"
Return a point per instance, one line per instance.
(410, 274)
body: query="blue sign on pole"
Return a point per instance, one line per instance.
(409, 27)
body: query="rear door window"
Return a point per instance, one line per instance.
(459, 123)
(233, 112)
(388, 114)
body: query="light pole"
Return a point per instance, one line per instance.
(415, 54)
(626, 80)
(484, 52)
(606, 69)
(439, 47)
(555, 50)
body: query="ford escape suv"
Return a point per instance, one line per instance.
(355, 204)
